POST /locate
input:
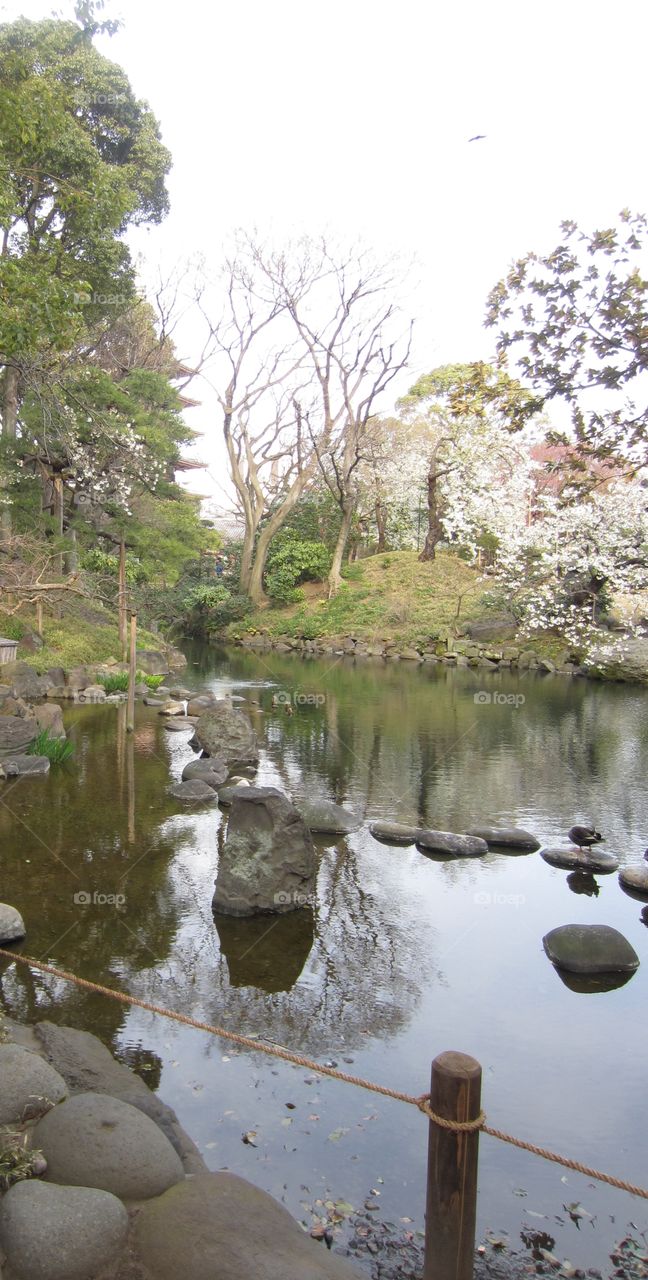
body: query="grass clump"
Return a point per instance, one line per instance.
(116, 683)
(17, 1160)
(57, 750)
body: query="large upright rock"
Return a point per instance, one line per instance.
(60, 1233)
(15, 735)
(24, 680)
(227, 733)
(268, 863)
(625, 659)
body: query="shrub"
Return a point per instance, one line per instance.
(56, 749)
(153, 682)
(117, 683)
(292, 562)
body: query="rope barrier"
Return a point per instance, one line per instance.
(478, 1124)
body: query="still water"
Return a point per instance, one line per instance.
(402, 957)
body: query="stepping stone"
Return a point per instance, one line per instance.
(60, 1233)
(447, 842)
(180, 726)
(212, 771)
(506, 838)
(590, 949)
(594, 861)
(328, 818)
(395, 832)
(193, 791)
(634, 880)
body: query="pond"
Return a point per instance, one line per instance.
(402, 957)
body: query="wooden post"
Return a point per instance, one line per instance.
(451, 1209)
(122, 599)
(132, 671)
(39, 617)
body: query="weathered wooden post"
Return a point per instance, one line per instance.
(122, 599)
(451, 1209)
(39, 616)
(132, 673)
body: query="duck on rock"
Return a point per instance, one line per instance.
(584, 837)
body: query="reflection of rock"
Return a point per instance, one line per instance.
(324, 816)
(592, 984)
(507, 838)
(227, 733)
(447, 842)
(634, 880)
(268, 861)
(592, 861)
(590, 949)
(583, 882)
(266, 955)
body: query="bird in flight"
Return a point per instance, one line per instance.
(477, 137)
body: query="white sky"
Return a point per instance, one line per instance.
(356, 116)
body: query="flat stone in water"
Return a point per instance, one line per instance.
(590, 949)
(635, 881)
(26, 766)
(193, 791)
(226, 795)
(212, 771)
(180, 725)
(92, 1140)
(60, 1233)
(395, 832)
(594, 861)
(447, 842)
(506, 838)
(324, 816)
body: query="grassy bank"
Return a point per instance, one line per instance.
(82, 636)
(386, 597)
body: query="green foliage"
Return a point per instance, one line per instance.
(101, 562)
(291, 561)
(352, 572)
(206, 596)
(115, 683)
(57, 750)
(153, 682)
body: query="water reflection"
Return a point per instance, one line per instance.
(268, 952)
(583, 882)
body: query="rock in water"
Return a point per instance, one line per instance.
(213, 771)
(506, 838)
(634, 880)
(268, 863)
(30, 1086)
(15, 735)
(60, 1233)
(12, 927)
(328, 818)
(590, 949)
(395, 832)
(625, 659)
(25, 766)
(227, 733)
(448, 842)
(193, 791)
(594, 861)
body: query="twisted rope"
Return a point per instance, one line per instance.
(277, 1051)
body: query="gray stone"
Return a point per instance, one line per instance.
(173, 709)
(635, 880)
(594, 861)
(211, 770)
(181, 694)
(56, 675)
(150, 701)
(15, 735)
(24, 681)
(23, 766)
(86, 1065)
(180, 725)
(326, 817)
(625, 660)
(268, 863)
(590, 949)
(193, 791)
(202, 703)
(152, 663)
(502, 627)
(219, 1225)
(227, 733)
(92, 693)
(60, 1233)
(226, 795)
(459, 846)
(12, 927)
(78, 679)
(49, 719)
(395, 832)
(93, 1140)
(506, 837)
(30, 1086)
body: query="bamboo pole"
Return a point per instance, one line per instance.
(451, 1208)
(132, 671)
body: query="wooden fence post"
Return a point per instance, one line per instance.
(132, 672)
(122, 599)
(451, 1206)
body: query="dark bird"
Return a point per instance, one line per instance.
(646, 855)
(584, 837)
(477, 137)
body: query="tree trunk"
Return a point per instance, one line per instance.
(123, 625)
(275, 523)
(335, 577)
(72, 554)
(247, 556)
(9, 424)
(381, 526)
(434, 532)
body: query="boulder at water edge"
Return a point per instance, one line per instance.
(625, 659)
(15, 735)
(506, 838)
(12, 927)
(213, 771)
(268, 863)
(92, 1140)
(227, 733)
(635, 881)
(60, 1233)
(328, 818)
(448, 842)
(25, 766)
(29, 1085)
(219, 1225)
(395, 832)
(590, 949)
(193, 791)
(594, 861)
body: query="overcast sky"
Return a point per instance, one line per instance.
(355, 115)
